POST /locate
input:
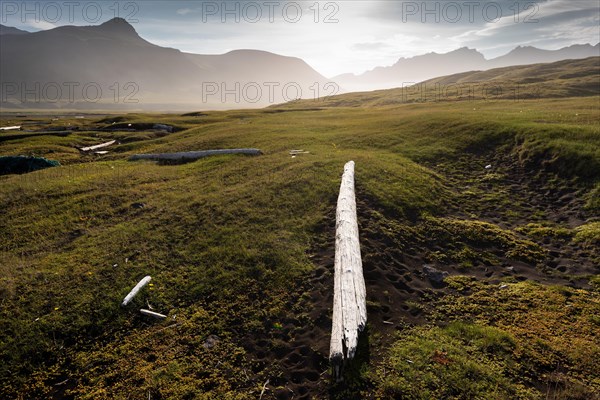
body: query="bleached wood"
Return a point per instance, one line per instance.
(136, 289)
(98, 146)
(10, 128)
(191, 155)
(152, 313)
(349, 299)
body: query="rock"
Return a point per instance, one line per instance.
(138, 205)
(163, 127)
(489, 166)
(434, 274)
(211, 341)
(24, 164)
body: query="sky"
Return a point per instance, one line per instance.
(333, 37)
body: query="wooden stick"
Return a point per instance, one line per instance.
(262, 392)
(152, 314)
(135, 290)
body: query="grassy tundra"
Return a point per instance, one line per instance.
(240, 250)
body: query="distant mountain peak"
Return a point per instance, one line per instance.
(9, 30)
(116, 22)
(118, 25)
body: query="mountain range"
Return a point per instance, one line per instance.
(9, 30)
(560, 79)
(110, 66)
(407, 71)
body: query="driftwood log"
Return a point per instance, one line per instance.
(10, 128)
(349, 298)
(98, 146)
(191, 155)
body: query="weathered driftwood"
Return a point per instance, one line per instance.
(10, 128)
(152, 314)
(349, 299)
(98, 146)
(136, 289)
(191, 155)
(297, 152)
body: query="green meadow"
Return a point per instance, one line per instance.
(240, 253)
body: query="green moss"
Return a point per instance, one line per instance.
(588, 233)
(481, 234)
(460, 361)
(552, 328)
(539, 231)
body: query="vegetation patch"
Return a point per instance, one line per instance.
(588, 233)
(553, 329)
(239, 250)
(541, 231)
(461, 360)
(481, 234)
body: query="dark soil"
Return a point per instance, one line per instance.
(399, 290)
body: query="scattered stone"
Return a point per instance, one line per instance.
(24, 164)
(489, 166)
(163, 127)
(211, 341)
(434, 274)
(138, 205)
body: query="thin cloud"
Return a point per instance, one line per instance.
(186, 11)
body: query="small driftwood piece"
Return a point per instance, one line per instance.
(98, 146)
(152, 314)
(192, 155)
(297, 152)
(10, 128)
(264, 388)
(349, 298)
(136, 290)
